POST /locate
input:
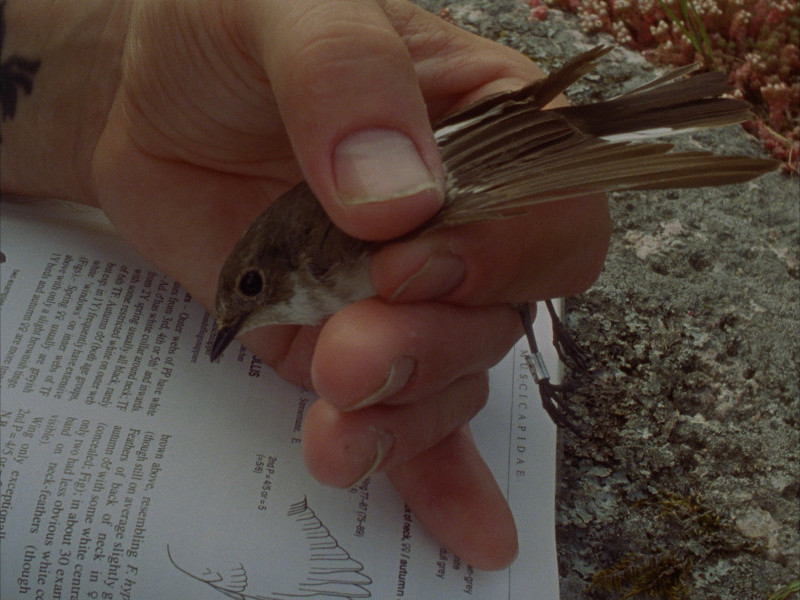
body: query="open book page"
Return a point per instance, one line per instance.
(132, 467)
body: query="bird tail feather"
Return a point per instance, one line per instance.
(502, 154)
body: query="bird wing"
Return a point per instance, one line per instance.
(506, 153)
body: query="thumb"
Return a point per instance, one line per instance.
(351, 103)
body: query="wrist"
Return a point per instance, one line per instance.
(49, 134)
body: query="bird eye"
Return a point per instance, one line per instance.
(251, 283)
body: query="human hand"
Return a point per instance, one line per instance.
(223, 106)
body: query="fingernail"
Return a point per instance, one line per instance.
(375, 165)
(399, 373)
(384, 441)
(440, 274)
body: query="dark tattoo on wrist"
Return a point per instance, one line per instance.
(15, 72)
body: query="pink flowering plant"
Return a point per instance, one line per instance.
(755, 41)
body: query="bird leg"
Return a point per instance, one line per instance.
(553, 395)
(568, 351)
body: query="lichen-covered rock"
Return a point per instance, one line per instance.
(687, 466)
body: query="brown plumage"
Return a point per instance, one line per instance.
(500, 155)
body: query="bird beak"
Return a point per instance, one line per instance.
(225, 336)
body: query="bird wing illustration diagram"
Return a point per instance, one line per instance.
(322, 569)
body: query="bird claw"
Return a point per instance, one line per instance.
(553, 396)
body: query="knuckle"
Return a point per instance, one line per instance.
(326, 45)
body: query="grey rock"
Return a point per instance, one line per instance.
(690, 437)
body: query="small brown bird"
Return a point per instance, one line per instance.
(500, 155)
